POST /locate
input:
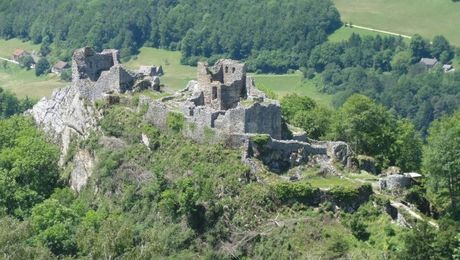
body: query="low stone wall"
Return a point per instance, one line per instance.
(281, 155)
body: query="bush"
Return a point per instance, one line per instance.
(260, 139)
(299, 191)
(66, 75)
(175, 121)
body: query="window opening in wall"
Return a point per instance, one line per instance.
(233, 70)
(214, 92)
(226, 69)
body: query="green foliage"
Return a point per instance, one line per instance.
(296, 191)
(14, 240)
(54, 224)
(28, 166)
(175, 121)
(388, 71)
(42, 67)
(66, 75)
(260, 140)
(26, 61)
(371, 130)
(346, 195)
(419, 47)
(10, 104)
(303, 112)
(441, 160)
(270, 45)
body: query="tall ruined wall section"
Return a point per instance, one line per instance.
(224, 84)
(87, 64)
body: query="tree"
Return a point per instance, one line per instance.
(42, 67)
(439, 46)
(441, 157)
(26, 62)
(419, 243)
(54, 224)
(401, 62)
(406, 150)
(366, 126)
(419, 48)
(28, 166)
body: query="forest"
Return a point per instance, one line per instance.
(387, 70)
(273, 35)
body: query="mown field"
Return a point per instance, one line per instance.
(425, 17)
(24, 82)
(177, 75)
(344, 33)
(20, 81)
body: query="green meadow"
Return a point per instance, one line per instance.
(425, 17)
(21, 81)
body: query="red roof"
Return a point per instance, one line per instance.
(19, 52)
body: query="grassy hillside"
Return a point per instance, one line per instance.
(177, 75)
(425, 17)
(7, 47)
(344, 33)
(20, 81)
(24, 82)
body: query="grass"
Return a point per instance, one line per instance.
(24, 82)
(344, 33)
(177, 76)
(292, 83)
(425, 17)
(7, 47)
(331, 182)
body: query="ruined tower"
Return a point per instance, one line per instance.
(223, 84)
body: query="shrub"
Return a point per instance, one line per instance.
(298, 191)
(175, 121)
(260, 140)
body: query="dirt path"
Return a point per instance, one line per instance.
(12, 61)
(397, 204)
(376, 30)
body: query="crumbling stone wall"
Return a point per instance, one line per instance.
(88, 64)
(223, 84)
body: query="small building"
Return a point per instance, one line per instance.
(429, 62)
(59, 67)
(19, 53)
(448, 68)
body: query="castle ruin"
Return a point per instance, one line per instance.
(221, 106)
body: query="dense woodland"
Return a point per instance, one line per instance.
(388, 71)
(272, 35)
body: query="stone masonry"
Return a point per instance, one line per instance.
(222, 106)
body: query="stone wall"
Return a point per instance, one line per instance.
(281, 155)
(87, 64)
(223, 84)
